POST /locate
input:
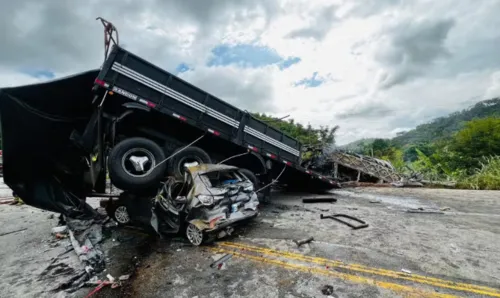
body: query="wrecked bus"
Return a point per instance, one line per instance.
(136, 123)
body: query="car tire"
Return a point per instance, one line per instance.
(195, 236)
(134, 164)
(252, 177)
(120, 214)
(190, 154)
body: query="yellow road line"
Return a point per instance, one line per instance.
(407, 290)
(377, 271)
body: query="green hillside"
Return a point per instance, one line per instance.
(463, 147)
(436, 129)
(443, 127)
(357, 146)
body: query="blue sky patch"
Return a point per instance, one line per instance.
(39, 73)
(311, 82)
(289, 62)
(183, 67)
(247, 55)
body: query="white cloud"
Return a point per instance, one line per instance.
(494, 88)
(387, 65)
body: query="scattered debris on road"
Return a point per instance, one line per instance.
(219, 263)
(101, 285)
(303, 241)
(124, 277)
(60, 236)
(7, 201)
(327, 290)
(338, 216)
(319, 200)
(60, 230)
(12, 232)
(422, 210)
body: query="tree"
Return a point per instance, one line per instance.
(410, 153)
(479, 138)
(378, 148)
(322, 137)
(460, 155)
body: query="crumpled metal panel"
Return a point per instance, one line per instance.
(381, 169)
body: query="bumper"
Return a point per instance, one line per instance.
(246, 215)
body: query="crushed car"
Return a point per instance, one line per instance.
(205, 205)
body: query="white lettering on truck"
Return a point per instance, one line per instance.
(125, 93)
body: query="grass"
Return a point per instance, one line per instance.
(487, 177)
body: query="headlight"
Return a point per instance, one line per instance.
(206, 200)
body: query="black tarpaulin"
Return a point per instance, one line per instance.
(40, 162)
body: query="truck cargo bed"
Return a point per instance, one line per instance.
(135, 78)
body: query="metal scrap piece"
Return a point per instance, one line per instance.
(12, 232)
(220, 261)
(336, 217)
(303, 241)
(319, 200)
(422, 210)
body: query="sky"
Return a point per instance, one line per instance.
(373, 67)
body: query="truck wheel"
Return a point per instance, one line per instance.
(251, 176)
(133, 164)
(190, 155)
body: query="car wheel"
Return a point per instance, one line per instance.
(120, 215)
(195, 235)
(134, 164)
(189, 156)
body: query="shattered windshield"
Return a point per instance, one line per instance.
(222, 178)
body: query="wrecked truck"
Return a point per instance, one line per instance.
(137, 123)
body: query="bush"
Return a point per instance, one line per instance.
(486, 177)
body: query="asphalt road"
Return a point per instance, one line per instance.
(454, 253)
(400, 254)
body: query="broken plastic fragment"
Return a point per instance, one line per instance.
(59, 230)
(219, 263)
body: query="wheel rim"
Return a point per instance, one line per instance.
(189, 160)
(194, 235)
(121, 215)
(138, 162)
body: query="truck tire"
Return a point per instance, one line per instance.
(251, 176)
(133, 164)
(189, 155)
